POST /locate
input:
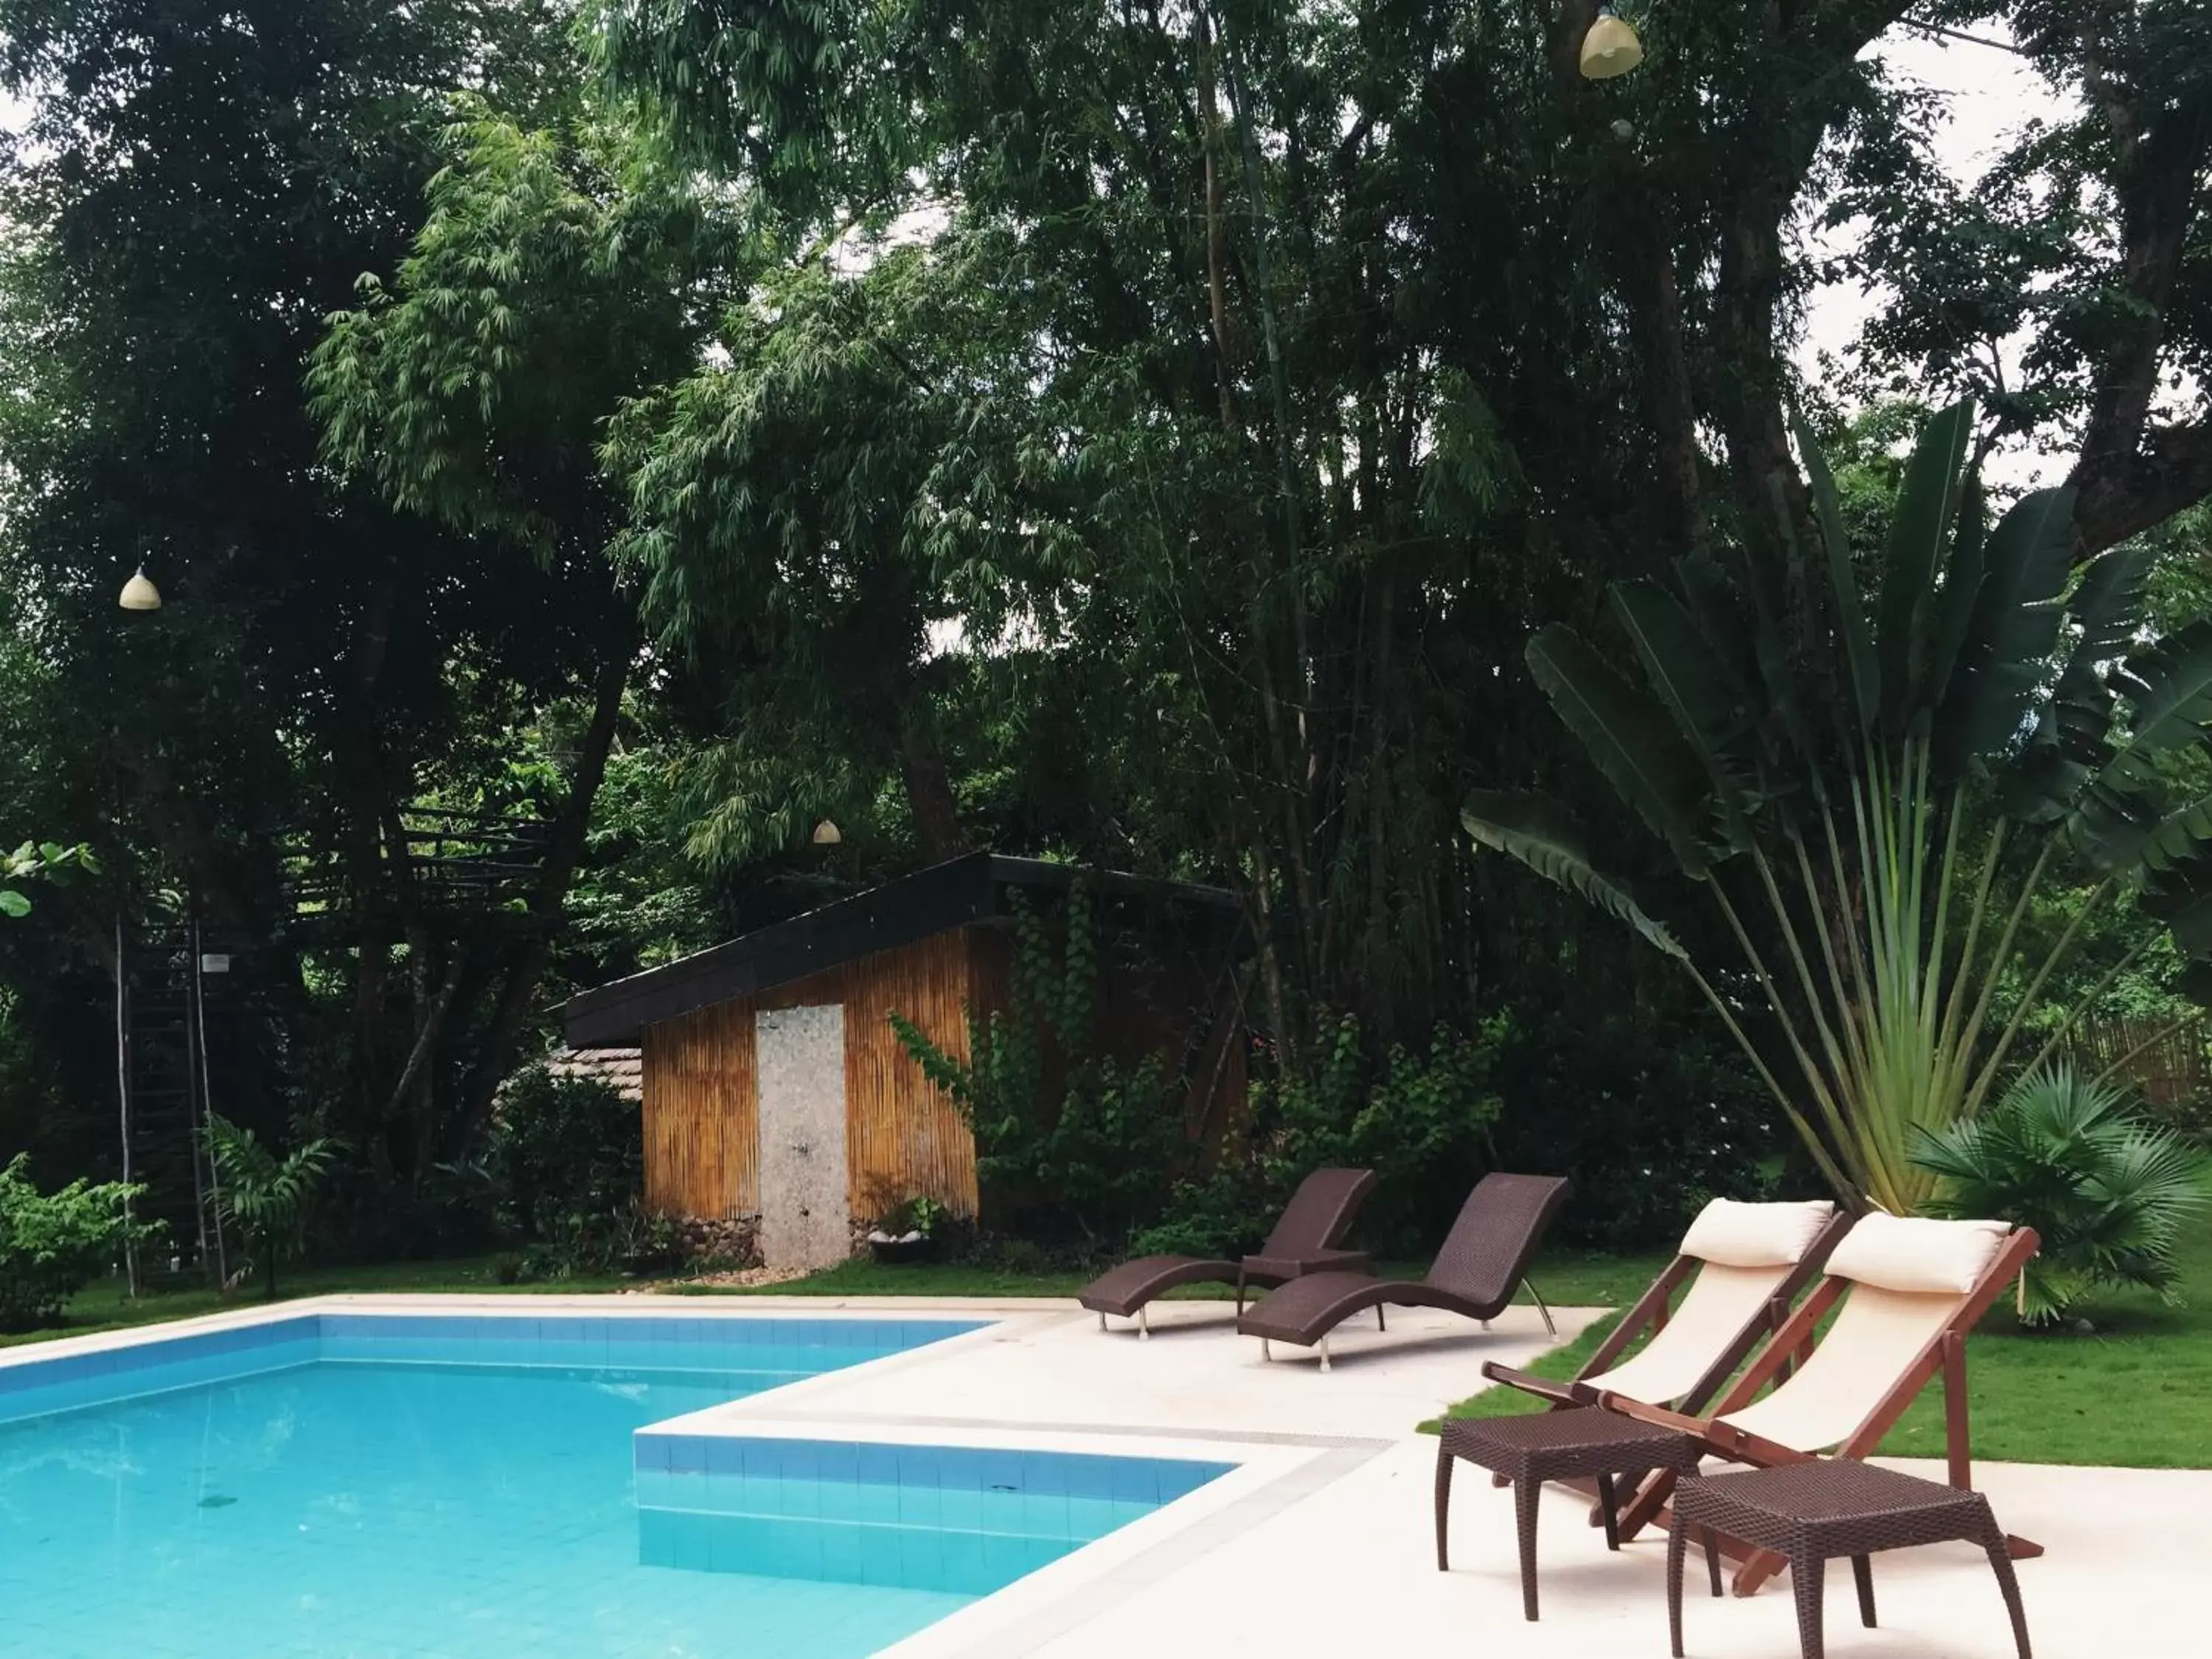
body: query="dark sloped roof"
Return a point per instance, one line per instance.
(973, 888)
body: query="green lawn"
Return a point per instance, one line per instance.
(2137, 1392)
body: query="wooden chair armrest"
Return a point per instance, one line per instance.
(1544, 1387)
(1722, 1439)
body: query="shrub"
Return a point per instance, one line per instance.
(1067, 1135)
(53, 1244)
(1648, 1111)
(567, 1161)
(1418, 1120)
(268, 1195)
(2108, 1193)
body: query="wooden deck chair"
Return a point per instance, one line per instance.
(1743, 1265)
(1910, 1291)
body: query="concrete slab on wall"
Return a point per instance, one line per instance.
(804, 1220)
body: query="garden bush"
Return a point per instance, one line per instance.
(1420, 1119)
(53, 1244)
(2108, 1193)
(1068, 1139)
(567, 1161)
(1649, 1116)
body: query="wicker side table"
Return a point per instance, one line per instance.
(1561, 1445)
(1813, 1512)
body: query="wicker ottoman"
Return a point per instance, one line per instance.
(1564, 1445)
(1813, 1512)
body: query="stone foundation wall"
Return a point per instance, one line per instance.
(731, 1241)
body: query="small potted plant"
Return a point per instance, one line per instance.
(908, 1231)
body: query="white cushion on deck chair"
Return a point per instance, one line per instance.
(1732, 1234)
(1911, 1253)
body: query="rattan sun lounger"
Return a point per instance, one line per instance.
(1304, 1240)
(1744, 1266)
(1901, 1325)
(1483, 1264)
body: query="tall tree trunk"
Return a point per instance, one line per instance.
(564, 851)
(928, 784)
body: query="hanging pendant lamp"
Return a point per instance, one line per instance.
(139, 593)
(1610, 48)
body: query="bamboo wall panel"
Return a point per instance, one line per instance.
(700, 1145)
(902, 1135)
(701, 1127)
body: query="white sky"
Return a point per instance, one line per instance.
(1990, 94)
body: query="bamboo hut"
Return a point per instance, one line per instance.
(777, 1093)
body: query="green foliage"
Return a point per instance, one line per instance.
(36, 859)
(1418, 1118)
(1065, 1133)
(1854, 820)
(917, 1212)
(567, 1162)
(267, 1194)
(53, 1244)
(2110, 1194)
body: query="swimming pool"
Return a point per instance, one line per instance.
(376, 1484)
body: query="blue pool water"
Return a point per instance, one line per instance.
(365, 1485)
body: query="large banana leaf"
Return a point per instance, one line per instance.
(2177, 861)
(1954, 602)
(1919, 529)
(1631, 740)
(1546, 837)
(2011, 634)
(1711, 711)
(1859, 659)
(2107, 608)
(2169, 692)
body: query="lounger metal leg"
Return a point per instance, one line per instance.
(1379, 1324)
(1266, 1352)
(1529, 1285)
(1102, 1321)
(1324, 1353)
(1483, 1323)
(1143, 1324)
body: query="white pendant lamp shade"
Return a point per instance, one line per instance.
(1610, 48)
(827, 834)
(139, 593)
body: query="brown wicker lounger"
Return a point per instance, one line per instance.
(1483, 1263)
(1304, 1240)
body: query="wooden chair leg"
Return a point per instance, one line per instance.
(1525, 1494)
(1445, 1461)
(2008, 1581)
(1644, 1508)
(1758, 1567)
(1808, 1575)
(1863, 1576)
(1676, 1542)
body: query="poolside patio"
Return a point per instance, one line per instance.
(1322, 1543)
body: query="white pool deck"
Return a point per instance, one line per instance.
(1320, 1542)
